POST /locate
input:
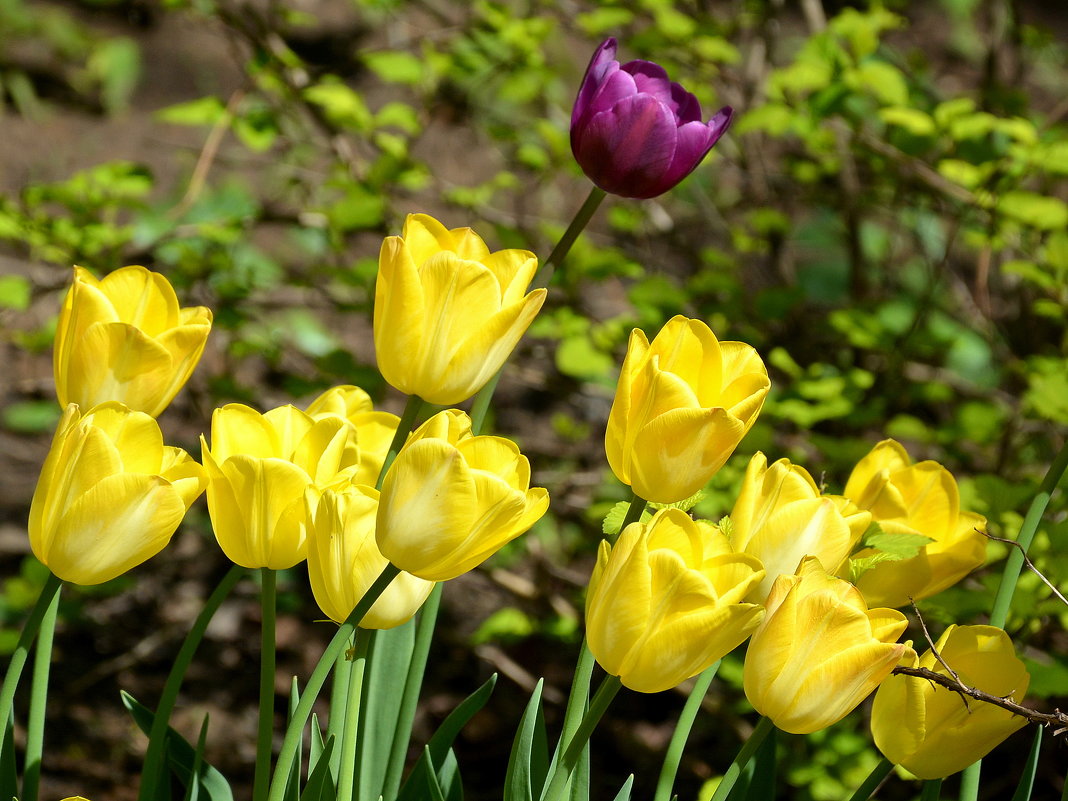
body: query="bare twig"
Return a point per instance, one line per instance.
(934, 650)
(1029, 563)
(1054, 718)
(208, 154)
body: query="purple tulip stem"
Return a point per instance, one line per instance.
(559, 253)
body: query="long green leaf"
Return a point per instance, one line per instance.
(293, 782)
(441, 743)
(192, 792)
(449, 778)
(180, 754)
(529, 761)
(1027, 779)
(624, 791)
(320, 786)
(9, 772)
(389, 658)
(762, 781)
(432, 785)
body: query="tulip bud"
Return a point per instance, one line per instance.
(929, 730)
(375, 429)
(344, 560)
(665, 601)
(634, 132)
(259, 467)
(451, 500)
(682, 405)
(123, 338)
(921, 499)
(819, 652)
(110, 494)
(781, 517)
(447, 311)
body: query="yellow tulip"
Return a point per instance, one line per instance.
(682, 405)
(451, 500)
(259, 466)
(929, 730)
(110, 494)
(375, 429)
(819, 652)
(124, 338)
(344, 560)
(781, 517)
(447, 311)
(665, 601)
(922, 499)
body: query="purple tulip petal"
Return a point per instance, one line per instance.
(599, 67)
(695, 139)
(651, 79)
(688, 109)
(627, 150)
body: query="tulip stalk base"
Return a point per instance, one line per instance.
(761, 731)
(673, 756)
(152, 768)
(22, 649)
(42, 662)
(598, 705)
(346, 783)
(875, 778)
(268, 579)
(291, 742)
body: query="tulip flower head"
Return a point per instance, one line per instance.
(634, 132)
(665, 601)
(819, 652)
(110, 495)
(447, 311)
(124, 338)
(780, 517)
(375, 429)
(919, 498)
(259, 467)
(451, 499)
(344, 560)
(926, 728)
(682, 405)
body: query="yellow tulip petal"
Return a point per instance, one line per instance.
(118, 523)
(680, 451)
(239, 429)
(514, 270)
(142, 298)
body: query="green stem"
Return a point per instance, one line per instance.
(291, 742)
(346, 782)
(404, 427)
(424, 632)
(673, 757)
(969, 778)
(602, 698)
(742, 759)
(338, 701)
(1014, 563)
(559, 253)
(931, 789)
(481, 403)
(42, 662)
(153, 764)
(22, 649)
(576, 702)
(268, 603)
(875, 778)
(634, 513)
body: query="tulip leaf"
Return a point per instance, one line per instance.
(433, 787)
(388, 665)
(529, 760)
(686, 504)
(896, 544)
(624, 791)
(180, 754)
(440, 745)
(292, 792)
(8, 768)
(614, 519)
(1027, 780)
(320, 785)
(192, 792)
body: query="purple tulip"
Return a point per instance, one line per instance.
(634, 132)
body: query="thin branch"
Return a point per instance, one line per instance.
(1029, 563)
(937, 655)
(1054, 718)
